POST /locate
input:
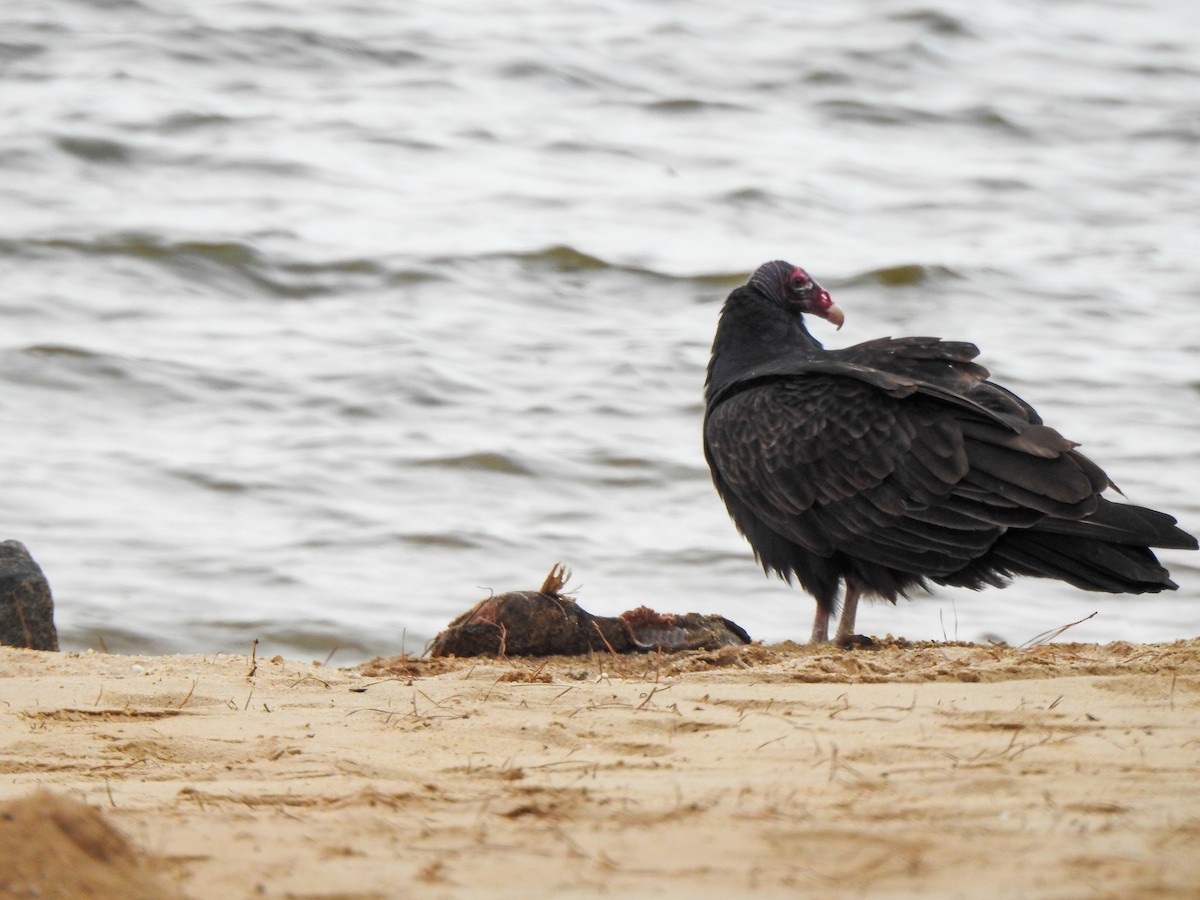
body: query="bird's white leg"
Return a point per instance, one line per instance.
(820, 632)
(849, 612)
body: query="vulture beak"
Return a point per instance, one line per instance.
(821, 304)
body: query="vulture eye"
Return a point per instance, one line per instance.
(800, 283)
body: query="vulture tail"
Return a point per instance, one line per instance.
(1108, 551)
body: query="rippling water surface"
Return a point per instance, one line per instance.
(323, 319)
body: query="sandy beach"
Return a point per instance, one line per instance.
(931, 770)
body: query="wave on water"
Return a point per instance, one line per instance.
(11, 52)
(934, 21)
(136, 154)
(122, 380)
(567, 259)
(692, 105)
(904, 275)
(445, 541)
(892, 114)
(101, 150)
(499, 463)
(200, 261)
(188, 40)
(558, 259)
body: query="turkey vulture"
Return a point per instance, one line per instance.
(895, 462)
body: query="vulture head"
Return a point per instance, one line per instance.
(792, 288)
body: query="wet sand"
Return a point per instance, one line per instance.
(931, 770)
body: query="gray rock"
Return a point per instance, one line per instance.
(26, 608)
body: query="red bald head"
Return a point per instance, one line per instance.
(793, 288)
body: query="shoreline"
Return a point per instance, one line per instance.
(939, 770)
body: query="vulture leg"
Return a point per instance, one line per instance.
(849, 612)
(846, 638)
(820, 632)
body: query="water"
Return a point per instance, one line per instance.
(323, 319)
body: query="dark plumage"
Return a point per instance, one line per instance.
(896, 462)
